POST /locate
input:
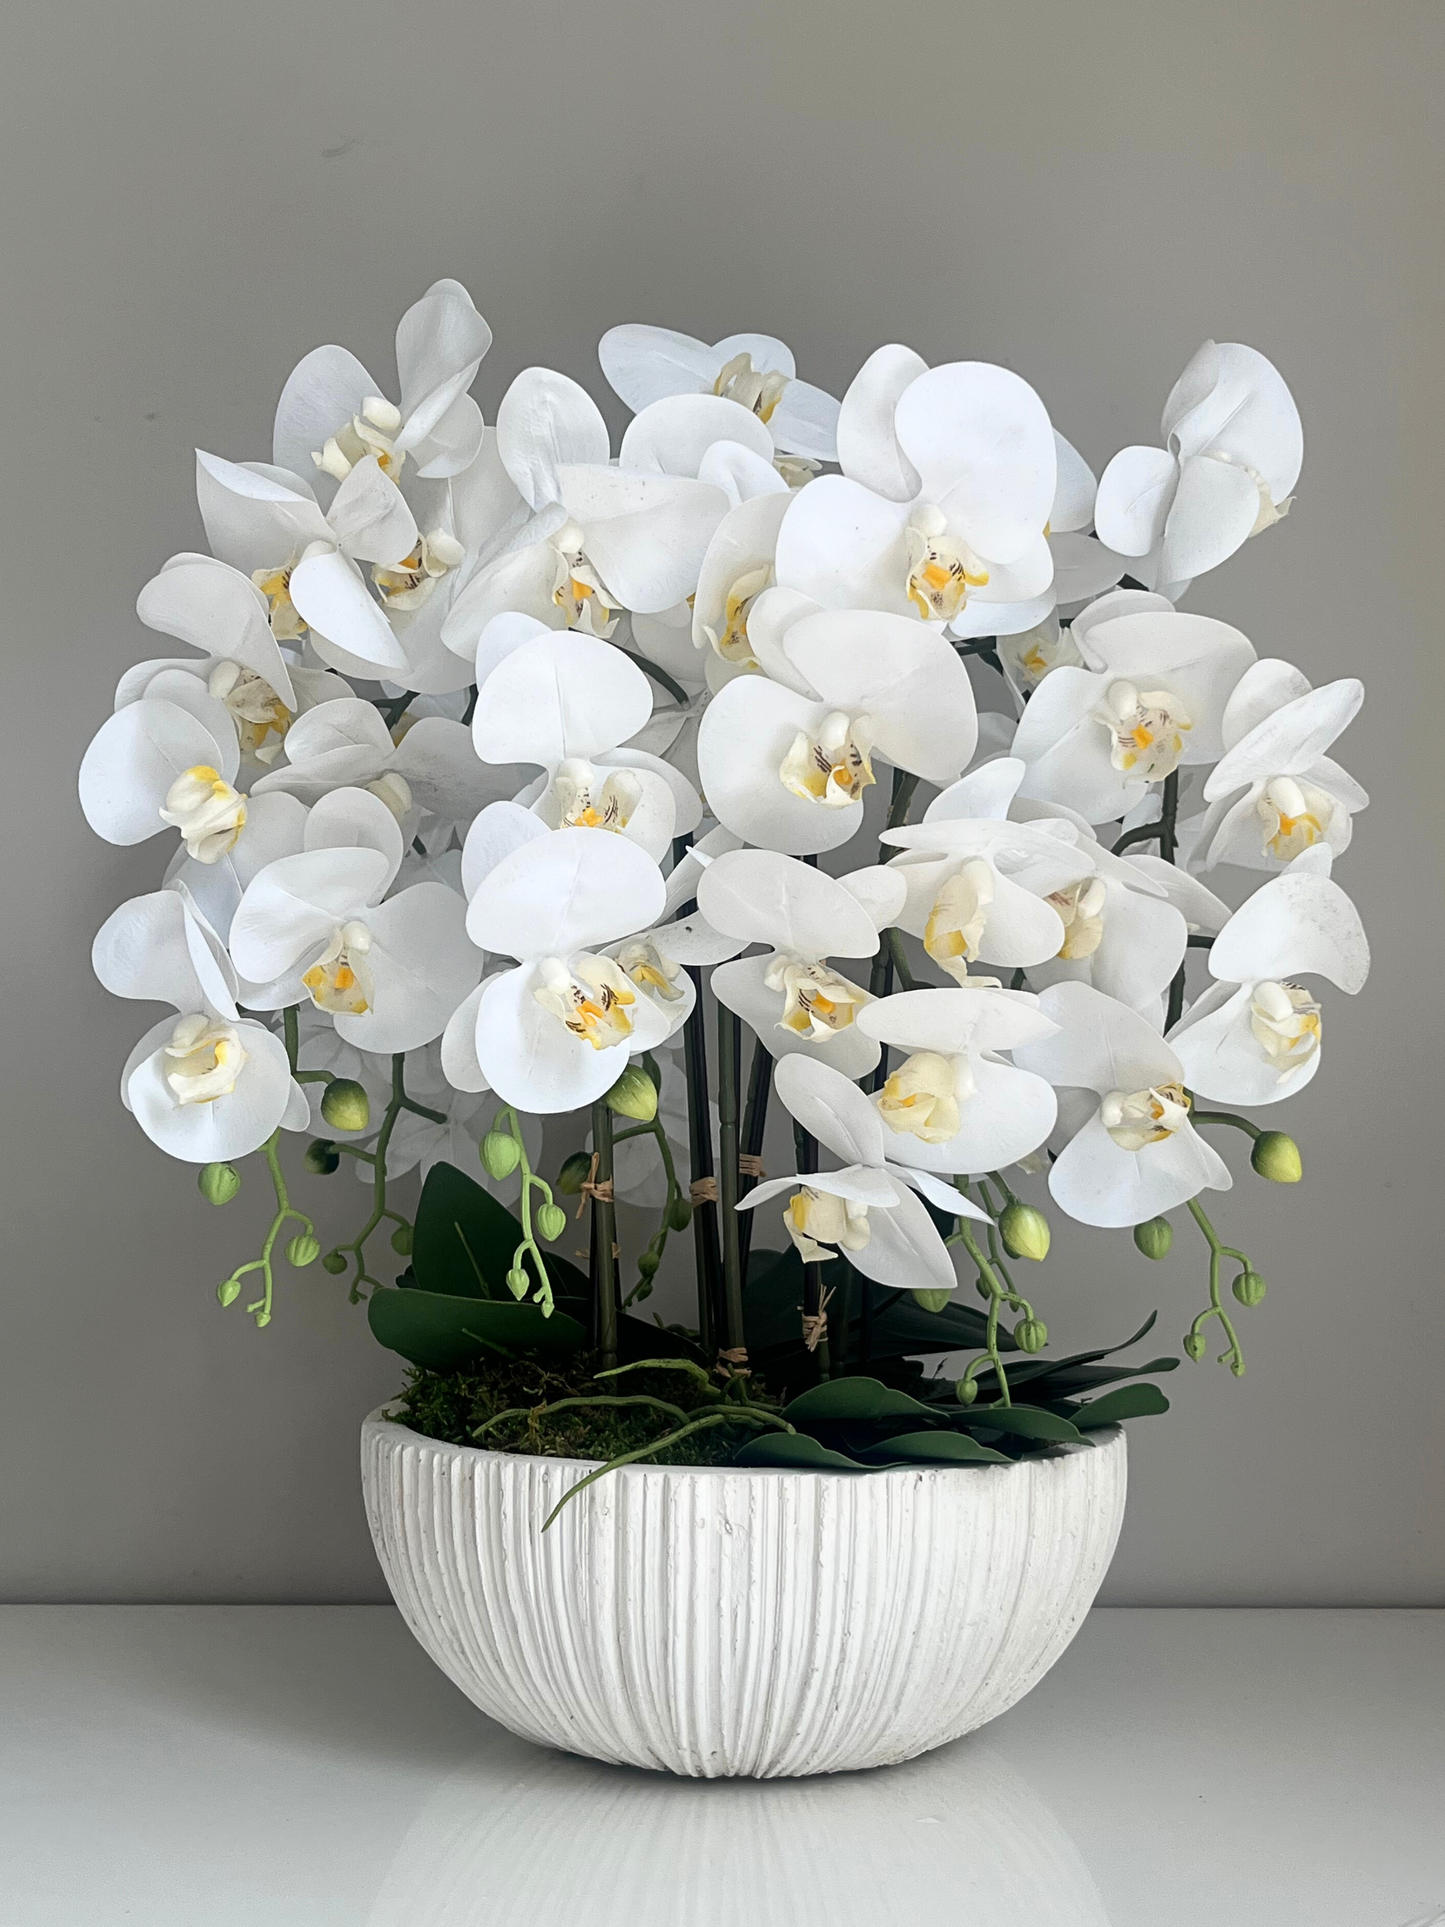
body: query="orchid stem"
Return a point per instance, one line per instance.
(900, 962)
(604, 1268)
(528, 1248)
(729, 1050)
(997, 1296)
(357, 1245)
(658, 675)
(227, 1293)
(704, 1215)
(1234, 1353)
(805, 1145)
(1227, 1117)
(755, 1121)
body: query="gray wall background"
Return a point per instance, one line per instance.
(195, 195)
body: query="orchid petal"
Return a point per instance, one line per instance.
(868, 447)
(564, 891)
(983, 446)
(1100, 1045)
(423, 964)
(132, 760)
(764, 897)
(672, 436)
(528, 1056)
(545, 421)
(1136, 491)
(1099, 1183)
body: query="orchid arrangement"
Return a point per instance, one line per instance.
(511, 776)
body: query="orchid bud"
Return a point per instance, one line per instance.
(1025, 1232)
(647, 1264)
(500, 1154)
(518, 1283)
(634, 1095)
(1194, 1346)
(402, 1240)
(1154, 1237)
(345, 1105)
(1276, 1156)
(229, 1292)
(303, 1250)
(322, 1157)
(573, 1175)
(334, 1263)
(932, 1300)
(679, 1212)
(1248, 1288)
(967, 1391)
(218, 1184)
(1031, 1334)
(551, 1221)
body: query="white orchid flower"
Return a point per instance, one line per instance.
(1094, 740)
(792, 998)
(953, 1104)
(205, 1084)
(170, 759)
(867, 1209)
(1137, 1155)
(949, 475)
(319, 924)
(604, 538)
(1255, 1035)
(267, 523)
(788, 770)
(332, 414)
(556, 1031)
(570, 703)
(1233, 451)
(646, 365)
(1275, 792)
(430, 765)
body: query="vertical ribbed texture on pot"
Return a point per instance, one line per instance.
(713, 1622)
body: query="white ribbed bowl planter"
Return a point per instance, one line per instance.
(715, 1622)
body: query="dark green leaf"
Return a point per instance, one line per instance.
(896, 1326)
(932, 1448)
(1019, 1421)
(1087, 1378)
(464, 1242)
(1024, 1373)
(1130, 1401)
(794, 1449)
(445, 1333)
(847, 1400)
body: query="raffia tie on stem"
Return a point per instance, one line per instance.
(702, 1191)
(815, 1323)
(592, 1190)
(750, 1166)
(733, 1360)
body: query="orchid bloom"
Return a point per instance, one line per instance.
(332, 415)
(603, 538)
(1233, 451)
(646, 365)
(1274, 792)
(1137, 1154)
(1095, 739)
(1255, 1034)
(555, 1032)
(267, 523)
(390, 970)
(954, 1104)
(949, 475)
(792, 998)
(788, 770)
(569, 703)
(206, 1083)
(868, 1208)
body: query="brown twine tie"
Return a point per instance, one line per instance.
(591, 1189)
(702, 1191)
(733, 1361)
(815, 1323)
(750, 1166)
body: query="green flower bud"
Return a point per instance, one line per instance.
(500, 1154)
(643, 1290)
(678, 1215)
(967, 1391)
(1276, 1156)
(322, 1157)
(345, 1104)
(1025, 1232)
(1154, 1237)
(1031, 1334)
(218, 1183)
(1194, 1346)
(402, 1241)
(551, 1221)
(932, 1300)
(634, 1095)
(334, 1263)
(647, 1264)
(229, 1292)
(263, 1319)
(573, 1174)
(1248, 1288)
(518, 1283)
(303, 1249)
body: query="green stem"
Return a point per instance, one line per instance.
(806, 1147)
(604, 1282)
(260, 1309)
(423, 1110)
(290, 1030)
(658, 675)
(996, 1297)
(529, 1248)
(1234, 1353)
(704, 1216)
(900, 962)
(904, 785)
(729, 1050)
(1226, 1117)
(1141, 833)
(755, 1121)
(734, 1415)
(377, 1156)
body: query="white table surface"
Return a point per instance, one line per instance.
(285, 1766)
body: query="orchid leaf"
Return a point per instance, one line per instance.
(1020, 1421)
(1129, 1401)
(445, 1333)
(931, 1448)
(794, 1450)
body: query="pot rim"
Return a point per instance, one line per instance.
(380, 1417)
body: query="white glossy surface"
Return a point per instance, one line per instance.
(300, 1766)
(717, 1622)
